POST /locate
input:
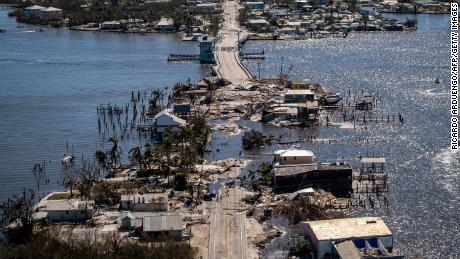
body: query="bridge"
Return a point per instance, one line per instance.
(228, 61)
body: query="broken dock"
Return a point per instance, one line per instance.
(183, 57)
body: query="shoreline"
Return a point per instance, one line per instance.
(227, 120)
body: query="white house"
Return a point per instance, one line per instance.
(33, 11)
(51, 14)
(163, 225)
(365, 232)
(164, 120)
(165, 24)
(294, 157)
(145, 202)
(43, 13)
(69, 210)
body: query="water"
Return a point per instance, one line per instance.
(400, 66)
(51, 83)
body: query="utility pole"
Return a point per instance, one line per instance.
(238, 42)
(281, 72)
(258, 68)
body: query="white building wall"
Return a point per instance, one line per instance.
(292, 160)
(69, 216)
(163, 122)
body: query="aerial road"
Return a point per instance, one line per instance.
(227, 49)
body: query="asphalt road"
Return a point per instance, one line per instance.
(226, 49)
(228, 225)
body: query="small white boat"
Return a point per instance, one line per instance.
(193, 37)
(67, 159)
(332, 99)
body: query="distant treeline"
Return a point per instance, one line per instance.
(15, 2)
(99, 12)
(80, 12)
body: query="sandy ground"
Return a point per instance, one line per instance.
(254, 232)
(229, 128)
(200, 235)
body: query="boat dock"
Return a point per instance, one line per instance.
(253, 55)
(183, 57)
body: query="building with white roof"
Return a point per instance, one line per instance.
(165, 25)
(163, 225)
(372, 165)
(294, 157)
(294, 169)
(69, 210)
(51, 14)
(326, 236)
(144, 202)
(43, 13)
(164, 120)
(33, 11)
(299, 96)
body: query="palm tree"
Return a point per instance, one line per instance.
(101, 158)
(147, 153)
(135, 155)
(115, 151)
(166, 144)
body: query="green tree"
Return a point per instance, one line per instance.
(17, 209)
(115, 151)
(101, 158)
(252, 139)
(135, 156)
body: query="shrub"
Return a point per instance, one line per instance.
(252, 139)
(48, 244)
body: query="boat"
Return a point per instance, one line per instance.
(437, 81)
(67, 159)
(365, 104)
(193, 37)
(40, 30)
(332, 99)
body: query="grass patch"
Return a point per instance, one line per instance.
(60, 196)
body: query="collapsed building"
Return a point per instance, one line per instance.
(296, 169)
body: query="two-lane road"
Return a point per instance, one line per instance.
(227, 234)
(227, 49)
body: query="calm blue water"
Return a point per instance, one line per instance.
(424, 178)
(51, 83)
